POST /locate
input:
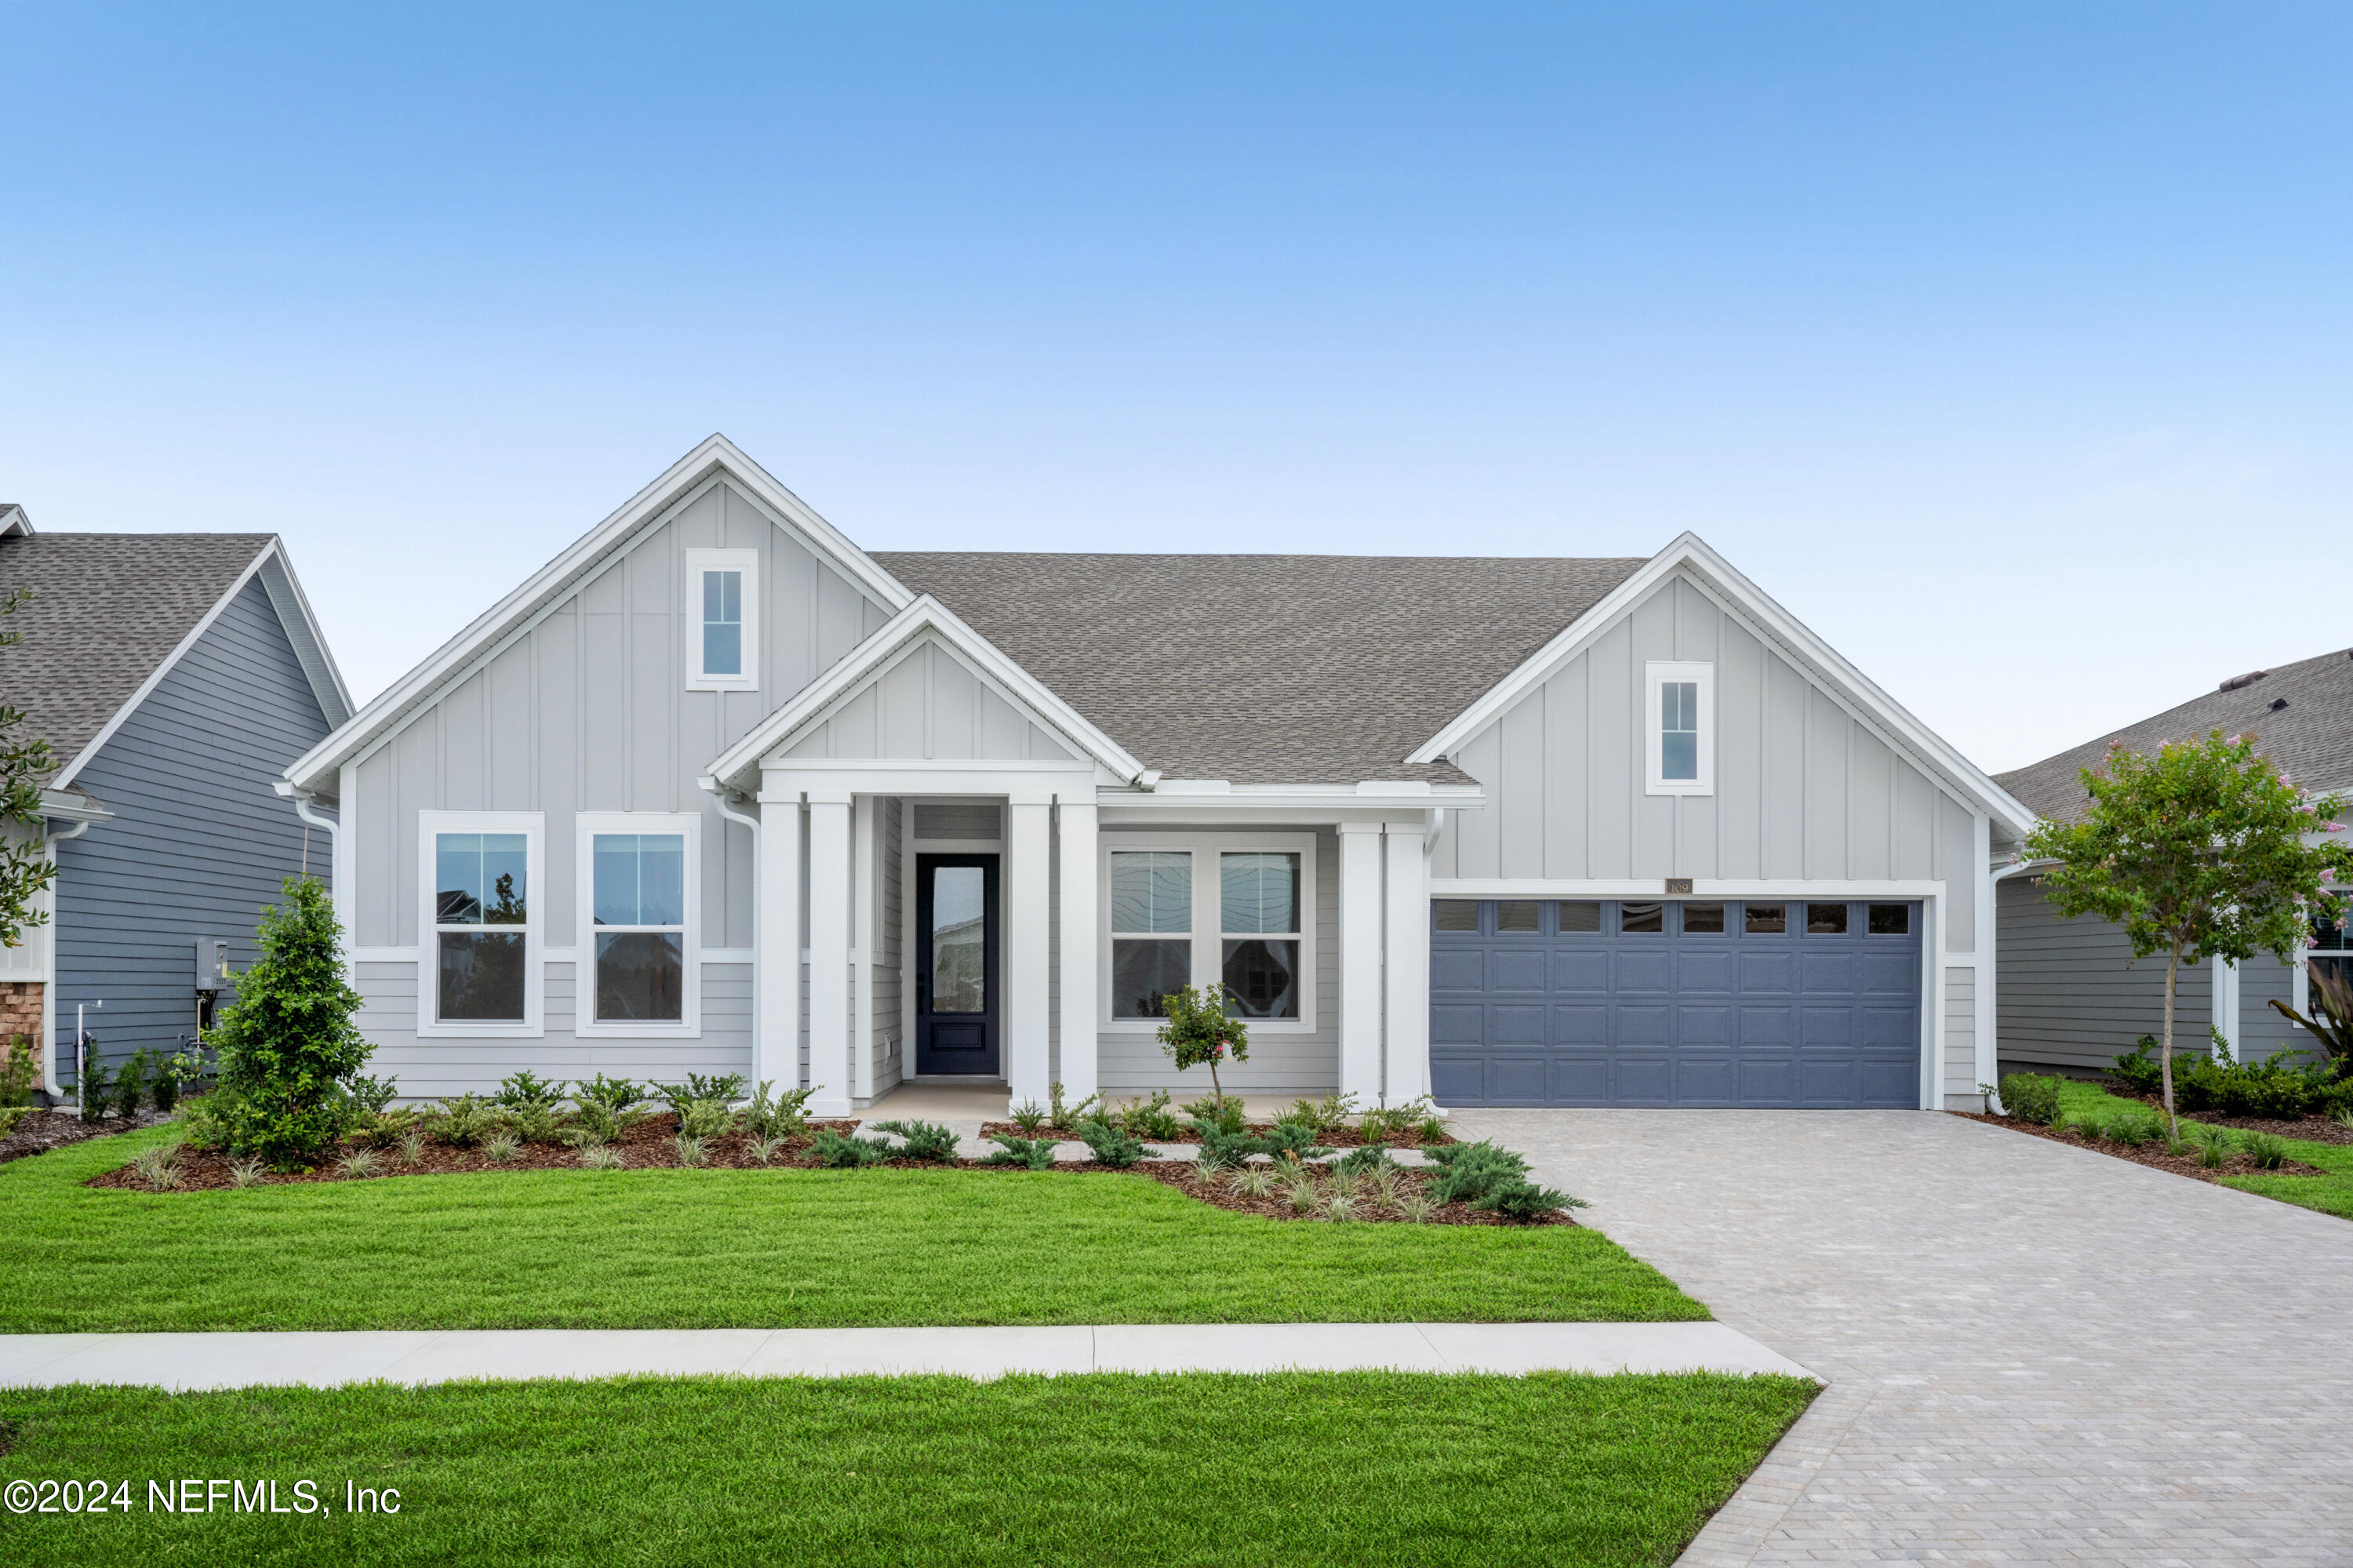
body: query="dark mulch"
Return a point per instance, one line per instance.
(2311, 1128)
(1178, 1173)
(645, 1143)
(42, 1130)
(1338, 1137)
(2152, 1153)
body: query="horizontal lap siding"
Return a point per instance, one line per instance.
(435, 1068)
(200, 842)
(1279, 1064)
(588, 711)
(2072, 994)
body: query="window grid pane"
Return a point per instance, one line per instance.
(1679, 730)
(722, 623)
(639, 879)
(1152, 891)
(1143, 972)
(1258, 894)
(1261, 979)
(481, 879)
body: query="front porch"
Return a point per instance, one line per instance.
(946, 939)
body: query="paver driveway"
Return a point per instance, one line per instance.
(2035, 1354)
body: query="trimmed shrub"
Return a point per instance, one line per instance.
(1470, 1171)
(836, 1152)
(288, 1046)
(1029, 1153)
(2031, 1098)
(924, 1139)
(1525, 1201)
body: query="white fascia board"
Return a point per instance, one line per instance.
(1711, 571)
(739, 766)
(163, 667)
(293, 608)
(14, 522)
(715, 456)
(1407, 795)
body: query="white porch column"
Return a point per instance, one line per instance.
(1027, 844)
(829, 951)
(1408, 953)
(2226, 1004)
(1360, 962)
(1080, 958)
(775, 1052)
(862, 950)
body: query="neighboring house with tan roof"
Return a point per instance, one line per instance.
(718, 791)
(2071, 996)
(173, 676)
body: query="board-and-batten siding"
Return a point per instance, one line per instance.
(200, 842)
(587, 710)
(2073, 997)
(1132, 1062)
(1802, 790)
(928, 704)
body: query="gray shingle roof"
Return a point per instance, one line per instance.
(2310, 739)
(1266, 669)
(105, 611)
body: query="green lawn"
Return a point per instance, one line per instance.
(2331, 1192)
(758, 1249)
(1296, 1468)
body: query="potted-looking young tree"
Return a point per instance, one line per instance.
(1199, 1033)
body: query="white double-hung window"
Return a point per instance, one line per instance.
(1209, 908)
(637, 948)
(481, 873)
(722, 620)
(1680, 727)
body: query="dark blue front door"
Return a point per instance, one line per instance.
(955, 964)
(1675, 1002)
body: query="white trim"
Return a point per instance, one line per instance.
(315, 658)
(1715, 576)
(1656, 674)
(532, 825)
(716, 457)
(1240, 800)
(293, 608)
(710, 956)
(14, 524)
(746, 565)
(587, 825)
(1208, 934)
(740, 763)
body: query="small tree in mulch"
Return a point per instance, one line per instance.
(1198, 1032)
(2198, 851)
(287, 1047)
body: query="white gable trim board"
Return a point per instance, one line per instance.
(798, 790)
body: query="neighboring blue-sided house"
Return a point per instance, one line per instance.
(175, 677)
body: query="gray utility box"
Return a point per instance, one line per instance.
(212, 965)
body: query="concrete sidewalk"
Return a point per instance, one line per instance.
(185, 1361)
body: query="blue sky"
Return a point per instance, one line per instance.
(2005, 345)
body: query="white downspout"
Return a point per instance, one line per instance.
(1991, 971)
(718, 795)
(49, 986)
(306, 807)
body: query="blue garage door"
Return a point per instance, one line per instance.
(1674, 1003)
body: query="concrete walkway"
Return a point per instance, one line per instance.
(185, 1362)
(2035, 1353)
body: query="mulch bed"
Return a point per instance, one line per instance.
(42, 1130)
(646, 1145)
(2152, 1153)
(2311, 1128)
(1338, 1137)
(1178, 1173)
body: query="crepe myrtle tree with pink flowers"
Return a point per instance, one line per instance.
(2201, 850)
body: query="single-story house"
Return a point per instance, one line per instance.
(2072, 998)
(716, 791)
(174, 676)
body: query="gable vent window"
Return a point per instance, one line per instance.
(721, 613)
(1680, 742)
